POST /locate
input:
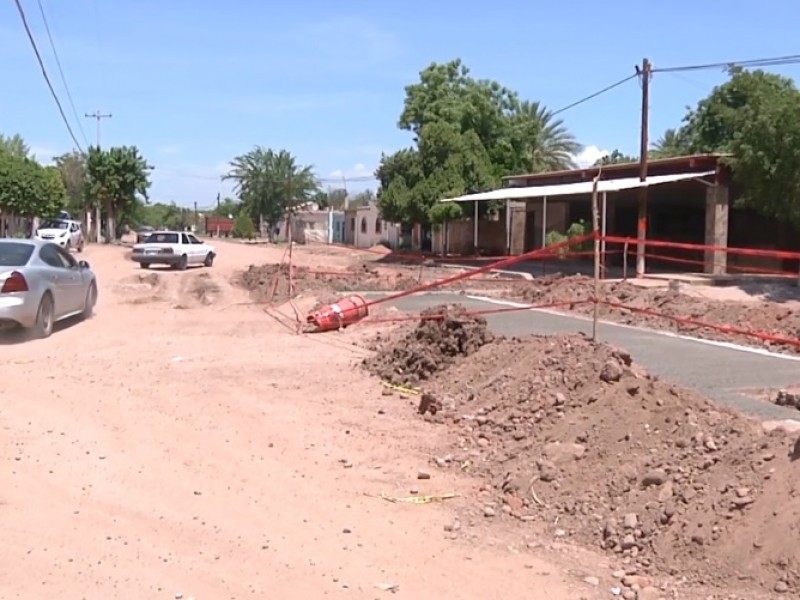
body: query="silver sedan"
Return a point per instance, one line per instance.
(41, 284)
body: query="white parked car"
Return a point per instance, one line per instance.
(65, 232)
(178, 249)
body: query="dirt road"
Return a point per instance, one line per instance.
(181, 445)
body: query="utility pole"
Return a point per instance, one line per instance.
(641, 228)
(98, 117)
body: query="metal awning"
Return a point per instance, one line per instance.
(574, 189)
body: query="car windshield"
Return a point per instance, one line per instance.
(52, 224)
(162, 238)
(15, 254)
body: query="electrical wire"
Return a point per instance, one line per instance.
(595, 94)
(61, 72)
(790, 59)
(46, 77)
(188, 175)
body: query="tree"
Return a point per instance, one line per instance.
(27, 189)
(333, 198)
(548, 144)
(674, 142)
(755, 118)
(243, 227)
(615, 158)
(15, 146)
(468, 133)
(116, 178)
(363, 199)
(271, 184)
(227, 207)
(72, 168)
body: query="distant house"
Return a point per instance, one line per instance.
(364, 228)
(313, 226)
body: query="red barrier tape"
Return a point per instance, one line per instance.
(721, 328)
(741, 269)
(703, 248)
(478, 270)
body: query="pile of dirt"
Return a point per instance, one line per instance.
(763, 317)
(198, 290)
(443, 334)
(142, 288)
(270, 282)
(576, 437)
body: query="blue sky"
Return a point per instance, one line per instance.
(194, 83)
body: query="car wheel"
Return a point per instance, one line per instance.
(183, 263)
(144, 265)
(45, 317)
(209, 261)
(79, 249)
(91, 300)
(68, 245)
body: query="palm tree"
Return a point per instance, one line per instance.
(672, 143)
(271, 184)
(549, 144)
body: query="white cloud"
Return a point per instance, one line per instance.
(589, 155)
(359, 171)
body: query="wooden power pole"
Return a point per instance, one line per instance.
(641, 226)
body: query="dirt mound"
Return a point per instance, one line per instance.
(576, 435)
(764, 317)
(270, 282)
(444, 333)
(142, 288)
(198, 290)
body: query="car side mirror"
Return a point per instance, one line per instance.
(83, 264)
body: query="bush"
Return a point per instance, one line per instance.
(243, 227)
(575, 230)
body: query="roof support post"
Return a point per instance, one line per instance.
(475, 229)
(508, 227)
(544, 221)
(603, 233)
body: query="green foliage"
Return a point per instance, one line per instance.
(755, 117)
(27, 189)
(444, 211)
(270, 184)
(615, 158)
(116, 179)
(15, 146)
(227, 207)
(72, 168)
(673, 143)
(468, 134)
(243, 227)
(575, 230)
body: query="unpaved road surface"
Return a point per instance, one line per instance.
(181, 444)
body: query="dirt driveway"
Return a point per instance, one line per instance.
(183, 445)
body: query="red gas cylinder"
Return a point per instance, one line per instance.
(338, 316)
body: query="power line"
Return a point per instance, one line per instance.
(790, 59)
(595, 95)
(188, 175)
(44, 73)
(61, 72)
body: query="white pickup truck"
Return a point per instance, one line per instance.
(178, 249)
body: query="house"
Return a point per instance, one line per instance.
(313, 226)
(364, 228)
(687, 199)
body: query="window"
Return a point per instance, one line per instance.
(51, 256)
(163, 238)
(15, 254)
(67, 258)
(193, 240)
(352, 224)
(377, 225)
(363, 224)
(185, 239)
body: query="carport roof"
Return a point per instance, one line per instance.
(574, 189)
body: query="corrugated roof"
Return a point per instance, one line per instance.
(573, 189)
